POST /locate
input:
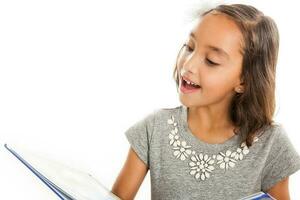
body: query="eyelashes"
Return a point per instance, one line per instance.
(208, 61)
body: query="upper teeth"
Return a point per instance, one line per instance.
(191, 83)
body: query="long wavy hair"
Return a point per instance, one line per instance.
(252, 111)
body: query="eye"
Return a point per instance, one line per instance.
(209, 62)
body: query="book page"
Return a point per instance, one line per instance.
(74, 182)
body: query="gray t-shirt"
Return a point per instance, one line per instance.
(184, 167)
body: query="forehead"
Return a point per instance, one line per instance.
(218, 30)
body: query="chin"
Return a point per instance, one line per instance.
(187, 101)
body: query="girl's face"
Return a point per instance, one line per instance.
(212, 58)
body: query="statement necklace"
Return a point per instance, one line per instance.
(202, 165)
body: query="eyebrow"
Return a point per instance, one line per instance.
(214, 48)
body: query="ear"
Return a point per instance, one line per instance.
(240, 87)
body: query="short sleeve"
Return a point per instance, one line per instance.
(139, 136)
(283, 161)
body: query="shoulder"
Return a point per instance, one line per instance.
(274, 139)
(154, 119)
(163, 113)
(273, 132)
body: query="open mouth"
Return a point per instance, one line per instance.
(189, 86)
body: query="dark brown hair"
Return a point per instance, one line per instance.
(252, 111)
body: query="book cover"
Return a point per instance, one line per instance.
(259, 196)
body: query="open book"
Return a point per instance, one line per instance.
(72, 184)
(66, 182)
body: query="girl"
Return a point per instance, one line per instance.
(221, 143)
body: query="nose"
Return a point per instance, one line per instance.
(191, 65)
(186, 69)
(190, 61)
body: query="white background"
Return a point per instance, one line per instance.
(74, 75)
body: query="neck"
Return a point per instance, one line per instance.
(210, 121)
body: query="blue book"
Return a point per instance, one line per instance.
(259, 196)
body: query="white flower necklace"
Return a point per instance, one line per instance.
(201, 165)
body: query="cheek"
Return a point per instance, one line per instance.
(220, 82)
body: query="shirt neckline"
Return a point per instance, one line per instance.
(184, 114)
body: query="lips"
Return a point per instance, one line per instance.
(187, 88)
